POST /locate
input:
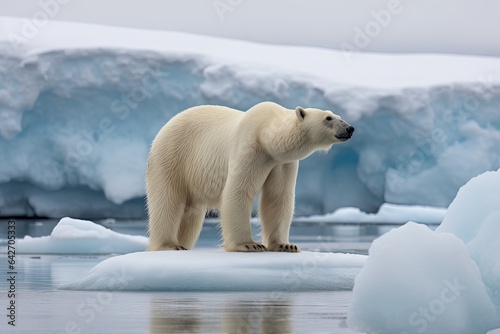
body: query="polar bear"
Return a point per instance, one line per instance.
(218, 157)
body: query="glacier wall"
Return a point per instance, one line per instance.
(80, 105)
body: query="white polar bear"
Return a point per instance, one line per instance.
(218, 157)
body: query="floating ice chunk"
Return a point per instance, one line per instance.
(485, 250)
(474, 216)
(388, 213)
(419, 281)
(432, 282)
(475, 201)
(74, 236)
(223, 271)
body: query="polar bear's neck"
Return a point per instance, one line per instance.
(288, 141)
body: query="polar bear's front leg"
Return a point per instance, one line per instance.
(236, 209)
(276, 207)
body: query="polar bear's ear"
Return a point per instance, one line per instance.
(300, 112)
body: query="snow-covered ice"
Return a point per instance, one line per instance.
(388, 213)
(80, 105)
(419, 281)
(216, 270)
(74, 236)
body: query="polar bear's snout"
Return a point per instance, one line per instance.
(346, 134)
(350, 130)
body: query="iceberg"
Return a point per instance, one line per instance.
(80, 105)
(75, 236)
(446, 281)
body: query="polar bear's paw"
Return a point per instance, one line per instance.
(176, 247)
(167, 247)
(248, 247)
(289, 248)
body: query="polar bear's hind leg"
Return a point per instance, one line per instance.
(165, 209)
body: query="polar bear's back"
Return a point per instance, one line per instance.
(200, 128)
(190, 152)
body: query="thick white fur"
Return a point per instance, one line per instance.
(218, 157)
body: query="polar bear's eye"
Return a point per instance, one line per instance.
(328, 118)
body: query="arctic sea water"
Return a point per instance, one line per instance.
(42, 308)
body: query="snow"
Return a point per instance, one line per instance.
(216, 270)
(388, 213)
(448, 281)
(80, 105)
(74, 236)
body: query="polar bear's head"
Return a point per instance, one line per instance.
(323, 128)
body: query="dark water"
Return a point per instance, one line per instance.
(41, 308)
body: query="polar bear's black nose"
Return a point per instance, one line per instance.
(350, 130)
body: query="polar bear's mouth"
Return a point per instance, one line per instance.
(343, 137)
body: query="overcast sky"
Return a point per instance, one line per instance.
(437, 26)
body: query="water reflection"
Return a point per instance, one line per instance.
(271, 314)
(268, 316)
(175, 316)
